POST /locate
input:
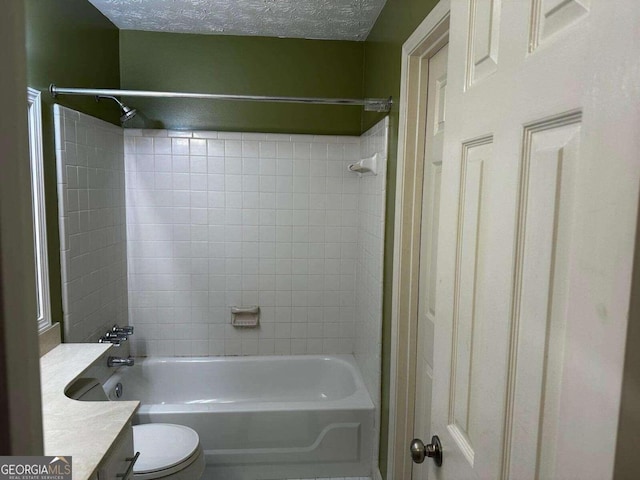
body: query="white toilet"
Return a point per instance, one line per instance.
(171, 452)
(167, 451)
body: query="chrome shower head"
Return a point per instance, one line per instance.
(127, 112)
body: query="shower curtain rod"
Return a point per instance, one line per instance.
(370, 104)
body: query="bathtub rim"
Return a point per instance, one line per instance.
(359, 400)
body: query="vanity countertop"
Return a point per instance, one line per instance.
(84, 430)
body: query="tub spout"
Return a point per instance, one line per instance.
(118, 362)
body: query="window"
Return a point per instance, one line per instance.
(39, 220)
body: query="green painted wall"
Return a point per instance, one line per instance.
(242, 65)
(69, 43)
(383, 61)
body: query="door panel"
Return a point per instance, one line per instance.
(551, 158)
(479, 324)
(463, 404)
(539, 200)
(553, 16)
(484, 29)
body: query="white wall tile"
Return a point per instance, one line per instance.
(92, 221)
(368, 254)
(232, 218)
(179, 146)
(220, 219)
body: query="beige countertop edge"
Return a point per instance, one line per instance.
(84, 430)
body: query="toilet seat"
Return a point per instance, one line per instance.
(164, 449)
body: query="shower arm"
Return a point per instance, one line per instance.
(369, 104)
(110, 97)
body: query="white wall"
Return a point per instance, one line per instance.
(91, 196)
(227, 219)
(369, 268)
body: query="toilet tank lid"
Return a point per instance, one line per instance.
(163, 445)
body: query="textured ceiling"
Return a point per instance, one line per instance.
(324, 19)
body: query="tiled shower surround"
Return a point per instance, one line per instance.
(219, 219)
(215, 220)
(91, 210)
(369, 267)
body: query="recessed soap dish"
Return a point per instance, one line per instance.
(245, 317)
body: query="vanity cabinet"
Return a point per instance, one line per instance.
(96, 433)
(118, 463)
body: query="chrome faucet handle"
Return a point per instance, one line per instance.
(119, 336)
(113, 340)
(128, 330)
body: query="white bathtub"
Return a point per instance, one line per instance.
(260, 417)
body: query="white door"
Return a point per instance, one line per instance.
(539, 200)
(435, 85)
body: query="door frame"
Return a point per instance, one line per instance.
(431, 35)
